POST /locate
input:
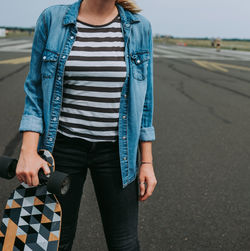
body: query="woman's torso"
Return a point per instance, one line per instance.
(53, 40)
(94, 75)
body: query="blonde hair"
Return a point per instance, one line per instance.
(129, 5)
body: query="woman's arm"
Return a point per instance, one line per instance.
(31, 124)
(32, 118)
(147, 134)
(146, 151)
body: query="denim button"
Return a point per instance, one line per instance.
(124, 137)
(50, 139)
(125, 95)
(138, 61)
(57, 98)
(72, 37)
(59, 78)
(127, 25)
(123, 116)
(124, 158)
(44, 57)
(64, 57)
(54, 118)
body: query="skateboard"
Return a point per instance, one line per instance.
(32, 216)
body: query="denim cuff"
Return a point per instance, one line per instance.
(147, 134)
(31, 123)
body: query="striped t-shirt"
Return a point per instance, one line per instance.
(94, 75)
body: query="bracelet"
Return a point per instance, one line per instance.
(144, 162)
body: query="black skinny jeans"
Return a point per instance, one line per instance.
(118, 206)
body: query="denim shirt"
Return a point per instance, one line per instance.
(54, 36)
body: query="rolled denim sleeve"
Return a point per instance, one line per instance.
(32, 118)
(147, 132)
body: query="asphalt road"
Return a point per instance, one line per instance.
(201, 153)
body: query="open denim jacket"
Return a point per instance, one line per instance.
(54, 36)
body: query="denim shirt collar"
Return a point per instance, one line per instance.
(72, 13)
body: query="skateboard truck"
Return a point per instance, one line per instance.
(57, 182)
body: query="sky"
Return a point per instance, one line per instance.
(183, 18)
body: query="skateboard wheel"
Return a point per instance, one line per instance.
(58, 183)
(7, 167)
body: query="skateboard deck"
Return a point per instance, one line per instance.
(32, 217)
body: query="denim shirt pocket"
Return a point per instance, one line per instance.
(49, 63)
(140, 64)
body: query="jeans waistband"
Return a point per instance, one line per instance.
(89, 144)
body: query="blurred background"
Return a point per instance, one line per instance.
(201, 117)
(171, 20)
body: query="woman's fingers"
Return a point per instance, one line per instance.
(150, 183)
(142, 186)
(35, 180)
(29, 179)
(24, 178)
(20, 178)
(45, 168)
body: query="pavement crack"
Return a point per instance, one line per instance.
(172, 67)
(14, 72)
(210, 109)
(231, 76)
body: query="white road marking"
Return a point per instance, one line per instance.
(8, 42)
(181, 52)
(8, 45)
(18, 48)
(167, 52)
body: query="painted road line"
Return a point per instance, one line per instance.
(209, 65)
(9, 42)
(177, 49)
(226, 53)
(187, 51)
(205, 53)
(20, 48)
(219, 66)
(167, 53)
(16, 60)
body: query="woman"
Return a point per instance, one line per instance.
(89, 100)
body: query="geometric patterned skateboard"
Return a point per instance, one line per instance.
(32, 216)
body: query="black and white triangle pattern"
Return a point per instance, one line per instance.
(31, 221)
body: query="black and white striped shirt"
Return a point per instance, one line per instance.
(93, 79)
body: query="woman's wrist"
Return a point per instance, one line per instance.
(27, 150)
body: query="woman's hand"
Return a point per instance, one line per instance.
(147, 175)
(28, 166)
